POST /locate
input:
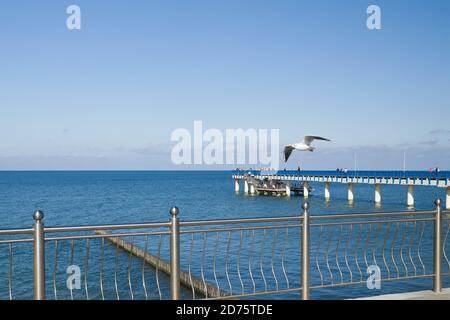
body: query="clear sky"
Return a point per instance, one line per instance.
(108, 96)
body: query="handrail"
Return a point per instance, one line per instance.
(16, 231)
(238, 221)
(106, 227)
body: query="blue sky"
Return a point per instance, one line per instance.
(109, 95)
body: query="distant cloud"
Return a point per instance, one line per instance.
(402, 145)
(440, 132)
(155, 150)
(430, 143)
(433, 138)
(154, 157)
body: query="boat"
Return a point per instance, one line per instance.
(272, 187)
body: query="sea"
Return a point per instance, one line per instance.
(70, 198)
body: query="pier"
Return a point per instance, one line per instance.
(254, 178)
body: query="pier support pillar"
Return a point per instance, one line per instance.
(378, 194)
(350, 196)
(245, 186)
(288, 190)
(252, 188)
(327, 191)
(410, 199)
(305, 190)
(447, 199)
(236, 185)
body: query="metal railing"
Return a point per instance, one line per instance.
(352, 173)
(223, 259)
(403, 246)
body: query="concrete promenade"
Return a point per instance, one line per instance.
(418, 295)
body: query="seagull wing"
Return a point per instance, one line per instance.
(309, 139)
(287, 152)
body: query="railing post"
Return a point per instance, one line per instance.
(174, 254)
(39, 256)
(437, 247)
(305, 251)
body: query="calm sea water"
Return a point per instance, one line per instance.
(79, 198)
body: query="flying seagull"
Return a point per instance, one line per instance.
(305, 145)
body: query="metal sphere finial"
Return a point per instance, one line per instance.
(174, 211)
(437, 202)
(305, 205)
(38, 215)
